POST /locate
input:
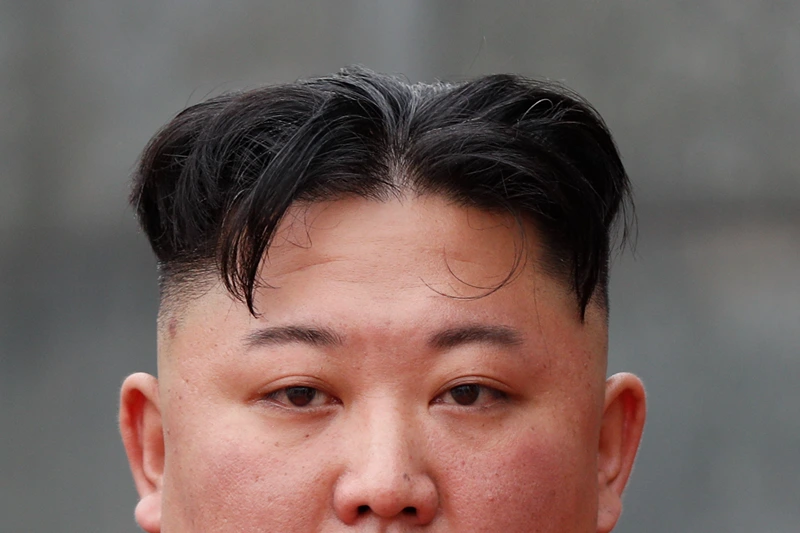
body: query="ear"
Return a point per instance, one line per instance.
(620, 433)
(143, 437)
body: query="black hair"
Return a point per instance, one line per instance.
(212, 186)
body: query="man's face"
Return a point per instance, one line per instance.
(383, 387)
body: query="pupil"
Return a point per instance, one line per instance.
(465, 394)
(300, 396)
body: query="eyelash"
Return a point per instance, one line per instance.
(300, 391)
(484, 396)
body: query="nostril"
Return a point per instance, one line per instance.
(363, 509)
(412, 511)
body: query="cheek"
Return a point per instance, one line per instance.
(529, 483)
(228, 464)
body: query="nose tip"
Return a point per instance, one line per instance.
(412, 499)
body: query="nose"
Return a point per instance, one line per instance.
(386, 474)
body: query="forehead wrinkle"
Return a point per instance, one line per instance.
(299, 268)
(298, 260)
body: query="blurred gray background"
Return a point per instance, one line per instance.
(703, 98)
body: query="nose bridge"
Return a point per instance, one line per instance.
(388, 440)
(386, 472)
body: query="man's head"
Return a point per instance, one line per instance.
(383, 307)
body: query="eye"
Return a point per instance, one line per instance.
(471, 394)
(302, 397)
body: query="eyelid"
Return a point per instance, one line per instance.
(321, 399)
(318, 394)
(268, 394)
(496, 390)
(481, 381)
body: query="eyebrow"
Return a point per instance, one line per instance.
(442, 340)
(453, 337)
(277, 335)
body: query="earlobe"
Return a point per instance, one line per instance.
(620, 434)
(143, 437)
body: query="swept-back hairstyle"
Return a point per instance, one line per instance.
(214, 183)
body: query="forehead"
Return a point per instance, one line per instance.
(420, 235)
(396, 266)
